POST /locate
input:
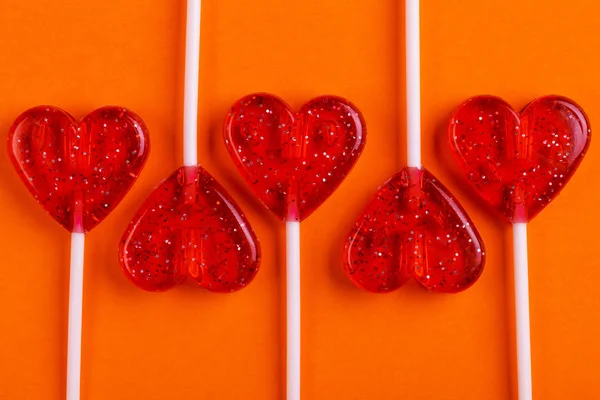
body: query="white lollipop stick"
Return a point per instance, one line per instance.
(75, 316)
(413, 85)
(192, 69)
(521, 272)
(292, 229)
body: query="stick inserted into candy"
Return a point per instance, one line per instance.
(413, 227)
(293, 161)
(79, 172)
(190, 226)
(518, 163)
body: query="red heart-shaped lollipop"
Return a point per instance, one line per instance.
(190, 226)
(414, 227)
(78, 172)
(519, 162)
(294, 161)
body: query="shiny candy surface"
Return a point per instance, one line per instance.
(189, 226)
(294, 161)
(414, 227)
(78, 171)
(519, 162)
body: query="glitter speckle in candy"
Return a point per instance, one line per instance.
(294, 161)
(189, 226)
(78, 171)
(519, 162)
(414, 227)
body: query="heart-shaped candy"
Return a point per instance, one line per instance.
(190, 226)
(519, 162)
(414, 227)
(78, 171)
(294, 161)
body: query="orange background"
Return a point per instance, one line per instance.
(191, 344)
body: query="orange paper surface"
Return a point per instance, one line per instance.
(191, 344)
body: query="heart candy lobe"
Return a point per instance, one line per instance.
(294, 161)
(78, 171)
(190, 226)
(413, 227)
(519, 162)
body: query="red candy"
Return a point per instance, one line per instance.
(78, 171)
(519, 162)
(190, 226)
(294, 161)
(414, 227)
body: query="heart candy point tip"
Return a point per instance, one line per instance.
(519, 162)
(78, 171)
(414, 227)
(293, 161)
(190, 226)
